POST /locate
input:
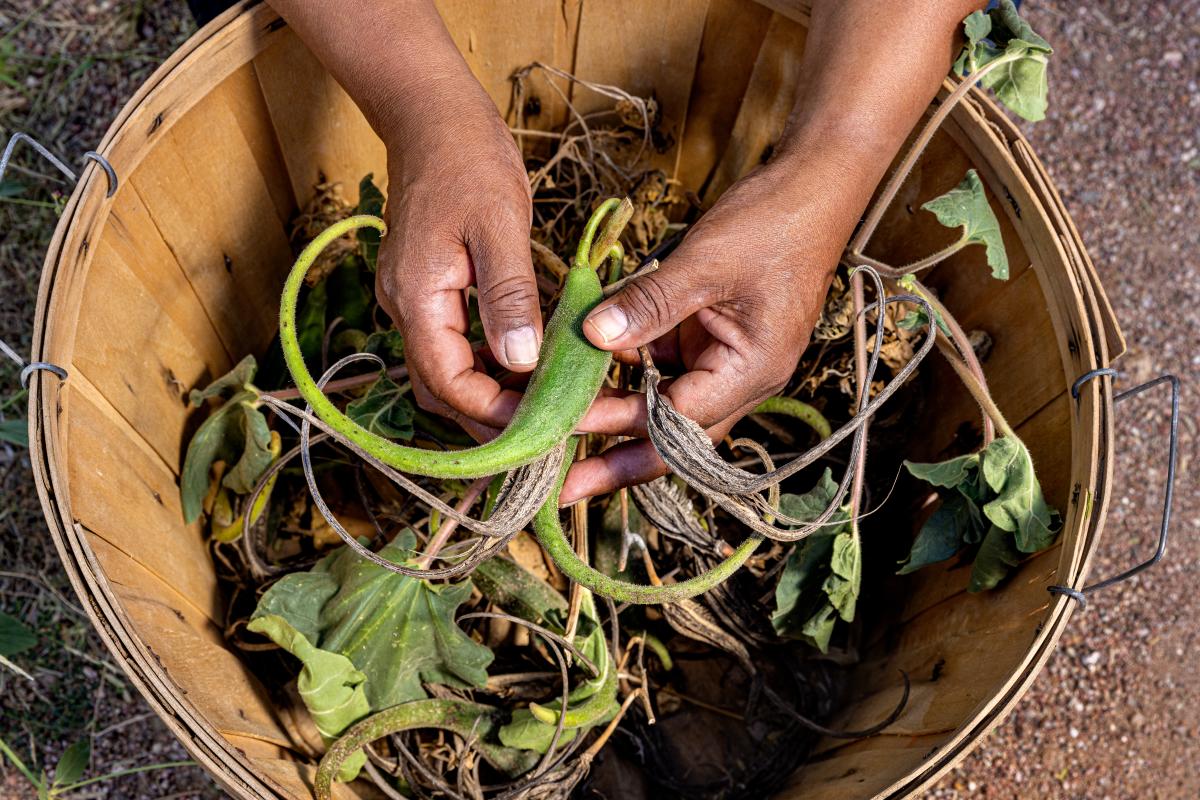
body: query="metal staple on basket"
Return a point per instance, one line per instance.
(27, 369)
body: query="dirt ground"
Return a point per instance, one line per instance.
(1116, 714)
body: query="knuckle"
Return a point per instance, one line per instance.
(648, 302)
(508, 296)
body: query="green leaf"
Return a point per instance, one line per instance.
(966, 206)
(818, 629)
(399, 631)
(996, 557)
(15, 636)
(348, 340)
(810, 505)
(800, 584)
(310, 325)
(347, 296)
(330, 686)
(947, 474)
(15, 431)
(1018, 505)
(370, 201)
(256, 453)
(384, 410)
(235, 433)
(941, 536)
(388, 345)
(527, 732)
(521, 593)
(73, 762)
(845, 578)
(1020, 83)
(236, 380)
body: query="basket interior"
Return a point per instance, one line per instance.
(185, 275)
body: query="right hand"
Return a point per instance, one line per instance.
(459, 214)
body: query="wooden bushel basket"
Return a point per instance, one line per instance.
(166, 284)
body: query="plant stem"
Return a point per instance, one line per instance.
(961, 352)
(579, 531)
(982, 397)
(859, 243)
(864, 390)
(342, 384)
(449, 525)
(122, 773)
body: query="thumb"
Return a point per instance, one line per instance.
(647, 308)
(508, 294)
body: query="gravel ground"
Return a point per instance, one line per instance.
(1115, 712)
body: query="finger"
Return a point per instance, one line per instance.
(650, 306)
(422, 280)
(625, 464)
(508, 293)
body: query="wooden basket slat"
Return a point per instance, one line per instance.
(612, 50)
(192, 651)
(734, 31)
(149, 393)
(147, 524)
(202, 187)
(764, 106)
(504, 36)
(321, 132)
(135, 242)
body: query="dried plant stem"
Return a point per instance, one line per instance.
(342, 384)
(962, 351)
(862, 380)
(982, 397)
(579, 531)
(859, 243)
(449, 525)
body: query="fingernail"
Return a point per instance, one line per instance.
(610, 323)
(521, 347)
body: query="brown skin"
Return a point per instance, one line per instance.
(733, 306)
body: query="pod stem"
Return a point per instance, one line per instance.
(553, 539)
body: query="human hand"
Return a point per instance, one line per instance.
(734, 306)
(459, 216)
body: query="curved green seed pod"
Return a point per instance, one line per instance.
(552, 537)
(469, 720)
(797, 409)
(567, 378)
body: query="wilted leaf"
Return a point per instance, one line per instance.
(992, 499)
(1020, 83)
(947, 474)
(235, 433)
(15, 637)
(399, 631)
(14, 431)
(330, 686)
(818, 629)
(370, 201)
(996, 557)
(941, 536)
(966, 206)
(1018, 505)
(812, 504)
(845, 578)
(74, 761)
(236, 380)
(384, 410)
